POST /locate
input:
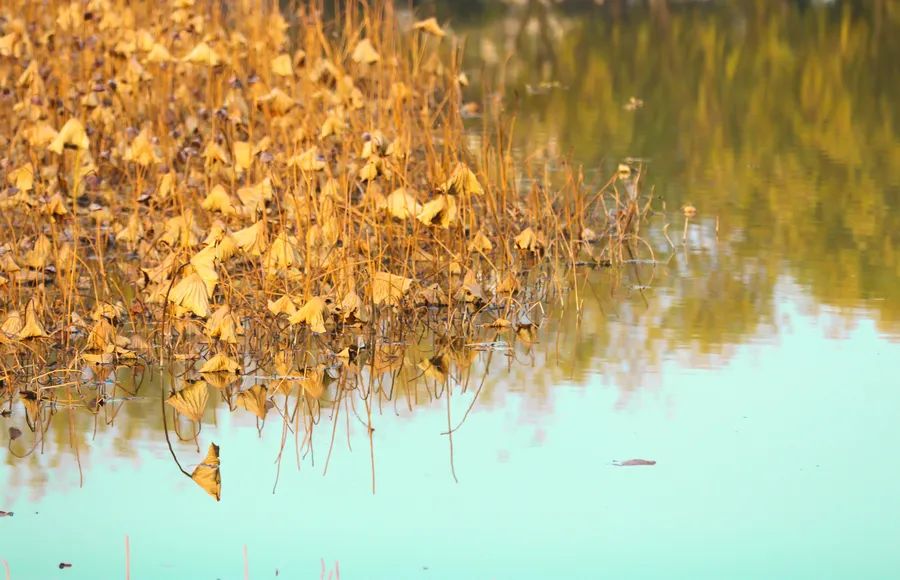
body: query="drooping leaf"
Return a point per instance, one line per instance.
(191, 400)
(254, 400)
(207, 474)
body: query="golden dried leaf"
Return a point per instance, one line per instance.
(431, 26)
(191, 400)
(254, 400)
(207, 474)
(462, 182)
(23, 177)
(389, 288)
(365, 53)
(32, 327)
(282, 254)
(220, 362)
(37, 257)
(219, 200)
(159, 54)
(202, 53)
(529, 240)
(222, 324)
(190, 293)
(312, 313)
(243, 156)
(281, 65)
(252, 239)
(440, 211)
(480, 243)
(309, 160)
(402, 205)
(13, 323)
(141, 150)
(283, 305)
(72, 134)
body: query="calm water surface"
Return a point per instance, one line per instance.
(757, 363)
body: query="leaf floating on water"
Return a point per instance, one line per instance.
(634, 462)
(254, 400)
(207, 473)
(191, 400)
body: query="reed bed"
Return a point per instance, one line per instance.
(281, 206)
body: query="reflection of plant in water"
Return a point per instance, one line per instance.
(784, 124)
(287, 206)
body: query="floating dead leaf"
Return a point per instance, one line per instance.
(207, 474)
(191, 400)
(436, 367)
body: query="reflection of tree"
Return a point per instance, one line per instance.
(783, 123)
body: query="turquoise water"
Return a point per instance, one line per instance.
(778, 464)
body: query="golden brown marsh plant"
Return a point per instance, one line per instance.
(194, 179)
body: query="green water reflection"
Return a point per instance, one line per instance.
(780, 122)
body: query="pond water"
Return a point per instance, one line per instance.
(755, 362)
